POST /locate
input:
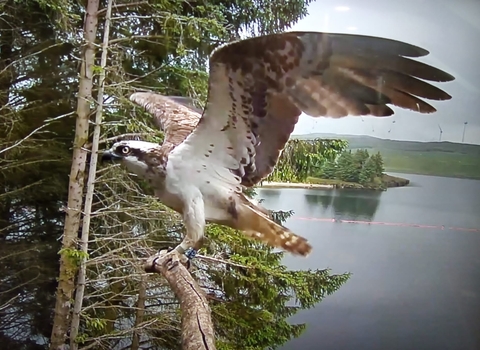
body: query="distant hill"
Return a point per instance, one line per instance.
(360, 141)
(428, 158)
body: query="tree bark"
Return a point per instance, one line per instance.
(7, 77)
(197, 327)
(67, 271)
(142, 296)
(77, 307)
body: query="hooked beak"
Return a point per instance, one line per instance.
(109, 156)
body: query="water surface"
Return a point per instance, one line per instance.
(414, 253)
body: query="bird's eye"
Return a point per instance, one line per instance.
(125, 150)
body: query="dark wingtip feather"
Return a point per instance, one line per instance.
(377, 44)
(447, 97)
(444, 76)
(380, 110)
(357, 43)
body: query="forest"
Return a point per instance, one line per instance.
(74, 234)
(358, 167)
(444, 158)
(329, 162)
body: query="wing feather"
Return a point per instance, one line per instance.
(259, 87)
(175, 116)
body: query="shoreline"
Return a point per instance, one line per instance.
(389, 181)
(267, 184)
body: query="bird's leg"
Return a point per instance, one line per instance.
(194, 219)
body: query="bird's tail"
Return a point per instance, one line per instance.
(256, 222)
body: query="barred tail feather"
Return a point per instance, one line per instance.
(256, 224)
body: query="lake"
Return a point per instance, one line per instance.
(414, 255)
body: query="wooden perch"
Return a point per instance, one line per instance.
(197, 327)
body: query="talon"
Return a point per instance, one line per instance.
(168, 249)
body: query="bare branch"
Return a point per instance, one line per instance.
(221, 261)
(133, 37)
(48, 122)
(139, 3)
(30, 55)
(142, 294)
(197, 327)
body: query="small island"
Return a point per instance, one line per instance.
(316, 183)
(387, 181)
(348, 170)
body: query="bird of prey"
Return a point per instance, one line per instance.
(257, 90)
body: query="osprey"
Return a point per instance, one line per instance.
(257, 90)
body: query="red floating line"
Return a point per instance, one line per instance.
(465, 229)
(363, 222)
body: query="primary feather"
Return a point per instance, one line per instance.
(257, 90)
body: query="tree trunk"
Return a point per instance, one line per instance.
(67, 272)
(90, 186)
(7, 76)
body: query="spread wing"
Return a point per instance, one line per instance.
(258, 88)
(187, 102)
(176, 116)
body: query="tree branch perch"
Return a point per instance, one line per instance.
(197, 327)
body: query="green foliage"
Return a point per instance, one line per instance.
(360, 157)
(353, 170)
(328, 170)
(301, 158)
(425, 158)
(368, 172)
(254, 294)
(251, 301)
(155, 45)
(333, 182)
(96, 323)
(74, 255)
(378, 162)
(347, 168)
(436, 163)
(280, 215)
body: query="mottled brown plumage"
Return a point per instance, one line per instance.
(320, 74)
(176, 120)
(258, 88)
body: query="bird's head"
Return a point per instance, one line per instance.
(136, 156)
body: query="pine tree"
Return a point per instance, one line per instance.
(368, 173)
(378, 161)
(346, 168)
(360, 157)
(163, 46)
(329, 170)
(303, 158)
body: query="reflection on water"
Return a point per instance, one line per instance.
(324, 199)
(353, 204)
(412, 287)
(346, 204)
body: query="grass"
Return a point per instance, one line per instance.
(432, 163)
(425, 158)
(336, 183)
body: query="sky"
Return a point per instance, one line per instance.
(449, 30)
